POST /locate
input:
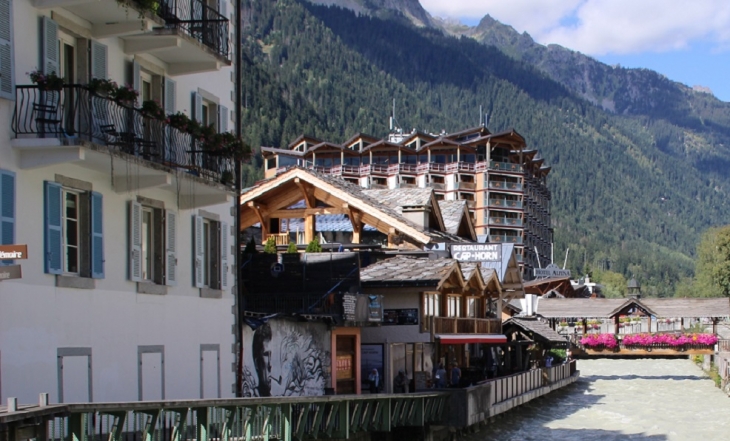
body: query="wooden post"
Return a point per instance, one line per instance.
(649, 322)
(714, 325)
(615, 323)
(310, 226)
(585, 324)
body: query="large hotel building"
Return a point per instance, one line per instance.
(503, 182)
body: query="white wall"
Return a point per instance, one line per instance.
(113, 320)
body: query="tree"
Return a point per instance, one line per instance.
(292, 249)
(270, 247)
(712, 268)
(614, 284)
(250, 247)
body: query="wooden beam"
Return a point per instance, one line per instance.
(356, 221)
(298, 213)
(260, 211)
(310, 225)
(307, 192)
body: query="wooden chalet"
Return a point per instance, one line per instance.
(433, 308)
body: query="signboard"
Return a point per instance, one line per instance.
(349, 302)
(371, 357)
(375, 309)
(552, 270)
(8, 252)
(10, 272)
(478, 252)
(400, 316)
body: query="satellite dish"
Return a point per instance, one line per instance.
(277, 269)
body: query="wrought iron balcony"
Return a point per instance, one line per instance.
(75, 114)
(198, 20)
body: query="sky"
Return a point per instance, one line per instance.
(688, 41)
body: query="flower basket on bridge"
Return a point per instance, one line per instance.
(677, 342)
(599, 342)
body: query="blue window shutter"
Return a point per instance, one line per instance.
(170, 248)
(170, 95)
(97, 236)
(225, 251)
(135, 241)
(7, 210)
(7, 71)
(198, 252)
(222, 119)
(53, 237)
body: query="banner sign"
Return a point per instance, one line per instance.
(10, 272)
(552, 270)
(479, 252)
(8, 252)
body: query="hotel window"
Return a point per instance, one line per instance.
(73, 231)
(152, 243)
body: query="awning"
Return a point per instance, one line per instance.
(460, 339)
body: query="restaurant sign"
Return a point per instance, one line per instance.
(552, 270)
(479, 252)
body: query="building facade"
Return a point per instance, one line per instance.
(503, 182)
(126, 292)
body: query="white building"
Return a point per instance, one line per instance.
(126, 293)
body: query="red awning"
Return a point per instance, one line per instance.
(460, 339)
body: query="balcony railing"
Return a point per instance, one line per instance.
(506, 203)
(506, 166)
(507, 221)
(75, 113)
(502, 238)
(463, 325)
(504, 185)
(198, 20)
(467, 185)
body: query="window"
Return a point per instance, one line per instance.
(7, 71)
(7, 210)
(74, 239)
(152, 243)
(431, 305)
(454, 306)
(472, 307)
(210, 253)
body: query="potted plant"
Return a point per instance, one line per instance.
(125, 95)
(49, 81)
(101, 86)
(152, 109)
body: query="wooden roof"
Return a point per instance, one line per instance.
(540, 330)
(662, 308)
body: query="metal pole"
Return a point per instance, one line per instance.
(237, 203)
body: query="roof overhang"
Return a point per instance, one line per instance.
(460, 339)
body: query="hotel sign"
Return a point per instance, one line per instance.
(481, 252)
(552, 270)
(8, 252)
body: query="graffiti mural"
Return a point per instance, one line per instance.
(286, 358)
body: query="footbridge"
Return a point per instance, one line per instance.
(432, 415)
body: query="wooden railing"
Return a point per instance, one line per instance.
(279, 238)
(463, 325)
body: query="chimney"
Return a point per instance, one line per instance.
(418, 214)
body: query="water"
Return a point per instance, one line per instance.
(644, 399)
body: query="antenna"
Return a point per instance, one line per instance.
(565, 262)
(538, 258)
(480, 114)
(486, 120)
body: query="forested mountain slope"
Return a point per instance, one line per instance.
(629, 191)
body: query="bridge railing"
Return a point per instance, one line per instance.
(282, 418)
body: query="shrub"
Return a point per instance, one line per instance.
(292, 249)
(270, 247)
(314, 247)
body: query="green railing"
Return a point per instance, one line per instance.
(282, 418)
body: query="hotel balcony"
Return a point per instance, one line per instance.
(469, 186)
(73, 125)
(188, 35)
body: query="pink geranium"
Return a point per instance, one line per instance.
(595, 340)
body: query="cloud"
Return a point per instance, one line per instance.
(600, 27)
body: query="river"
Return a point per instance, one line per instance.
(643, 399)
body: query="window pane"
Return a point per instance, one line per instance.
(72, 259)
(206, 252)
(71, 206)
